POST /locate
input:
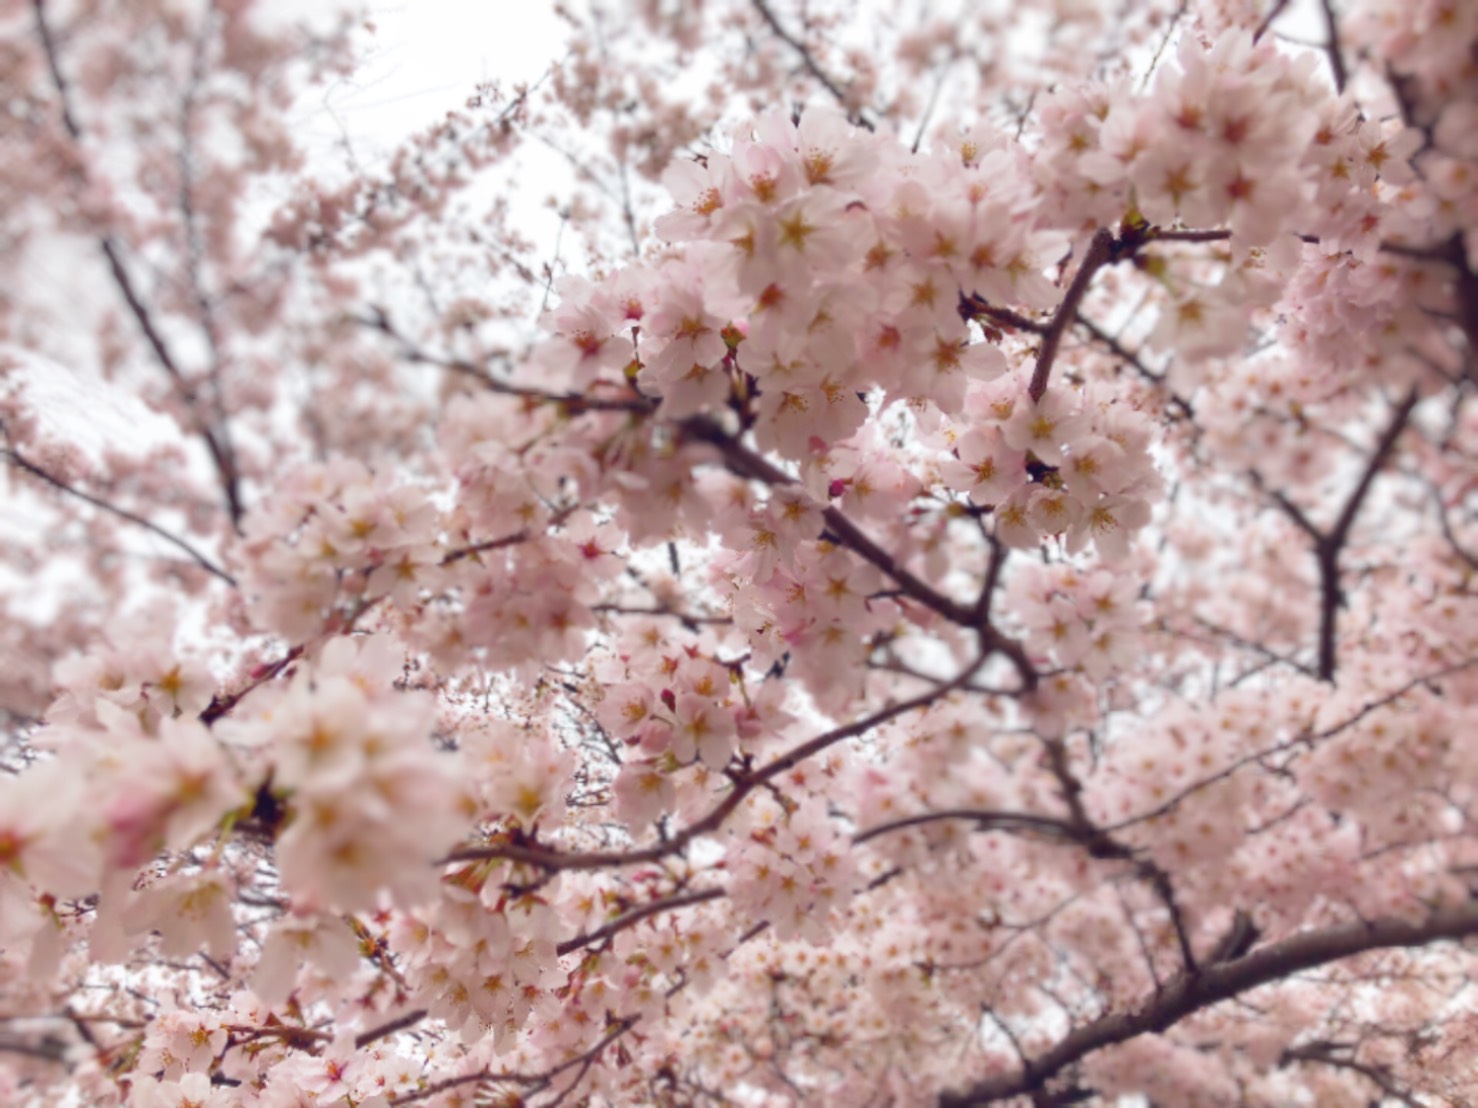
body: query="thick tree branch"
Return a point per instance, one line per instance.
(1192, 991)
(1100, 253)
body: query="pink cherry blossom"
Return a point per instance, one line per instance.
(931, 561)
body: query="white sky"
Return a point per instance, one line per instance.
(428, 55)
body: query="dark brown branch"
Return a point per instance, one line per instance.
(518, 537)
(1144, 946)
(1325, 1055)
(1161, 234)
(746, 463)
(1100, 844)
(1466, 556)
(1170, 26)
(1333, 47)
(1090, 837)
(999, 552)
(1267, 21)
(1328, 551)
(545, 858)
(1229, 636)
(1192, 991)
(48, 1048)
(973, 306)
(375, 1034)
(1047, 827)
(1131, 359)
(534, 1082)
(515, 539)
(1100, 252)
(1159, 880)
(635, 916)
(1283, 746)
(1328, 545)
(222, 705)
(1378, 459)
(583, 1061)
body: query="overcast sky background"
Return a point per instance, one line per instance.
(428, 56)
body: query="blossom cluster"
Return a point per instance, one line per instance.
(807, 286)
(888, 634)
(336, 536)
(1080, 620)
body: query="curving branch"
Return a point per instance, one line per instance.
(517, 538)
(1330, 1054)
(1046, 827)
(1133, 360)
(1192, 991)
(524, 852)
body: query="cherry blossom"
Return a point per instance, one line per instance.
(937, 567)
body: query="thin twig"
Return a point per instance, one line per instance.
(812, 66)
(26, 465)
(746, 463)
(1273, 13)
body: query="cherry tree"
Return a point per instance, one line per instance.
(951, 577)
